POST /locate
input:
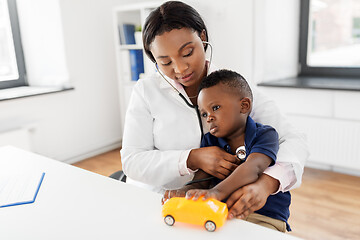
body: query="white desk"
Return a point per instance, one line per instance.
(76, 204)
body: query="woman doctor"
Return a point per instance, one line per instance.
(162, 135)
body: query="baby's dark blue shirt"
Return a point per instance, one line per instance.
(260, 139)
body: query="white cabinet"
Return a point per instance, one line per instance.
(133, 16)
(330, 120)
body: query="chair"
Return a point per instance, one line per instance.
(119, 175)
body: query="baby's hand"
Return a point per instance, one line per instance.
(205, 193)
(172, 193)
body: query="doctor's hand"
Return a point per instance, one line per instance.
(251, 197)
(213, 160)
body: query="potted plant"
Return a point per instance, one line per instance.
(138, 34)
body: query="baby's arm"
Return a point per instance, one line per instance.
(246, 173)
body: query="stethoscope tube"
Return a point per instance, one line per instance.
(197, 112)
(183, 97)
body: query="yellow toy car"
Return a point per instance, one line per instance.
(210, 213)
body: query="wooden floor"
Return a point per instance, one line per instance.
(326, 206)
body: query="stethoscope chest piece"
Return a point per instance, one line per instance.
(241, 152)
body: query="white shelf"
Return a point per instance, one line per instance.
(129, 46)
(129, 14)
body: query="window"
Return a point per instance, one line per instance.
(356, 29)
(12, 67)
(330, 38)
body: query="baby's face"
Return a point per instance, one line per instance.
(222, 111)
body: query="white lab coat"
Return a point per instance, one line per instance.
(160, 130)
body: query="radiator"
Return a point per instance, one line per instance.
(332, 142)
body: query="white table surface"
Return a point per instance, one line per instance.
(77, 204)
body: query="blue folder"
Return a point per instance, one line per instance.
(136, 63)
(136, 55)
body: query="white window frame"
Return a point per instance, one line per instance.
(21, 80)
(305, 69)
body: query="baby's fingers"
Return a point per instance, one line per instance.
(198, 194)
(208, 195)
(165, 197)
(179, 193)
(195, 194)
(190, 194)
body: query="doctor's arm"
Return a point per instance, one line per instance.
(141, 161)
(287, 172)
(293, 151)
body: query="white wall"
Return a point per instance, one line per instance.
(230, 29)
(69, 126)
(276, 37)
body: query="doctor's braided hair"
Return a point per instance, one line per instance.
(171, 15)
(233, 80)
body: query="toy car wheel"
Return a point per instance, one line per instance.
(210, 226)
(169, 220)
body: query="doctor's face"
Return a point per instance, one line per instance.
(180, 55)
(223, 111)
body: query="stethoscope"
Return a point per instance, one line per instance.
(240, 151)
(182, 96)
